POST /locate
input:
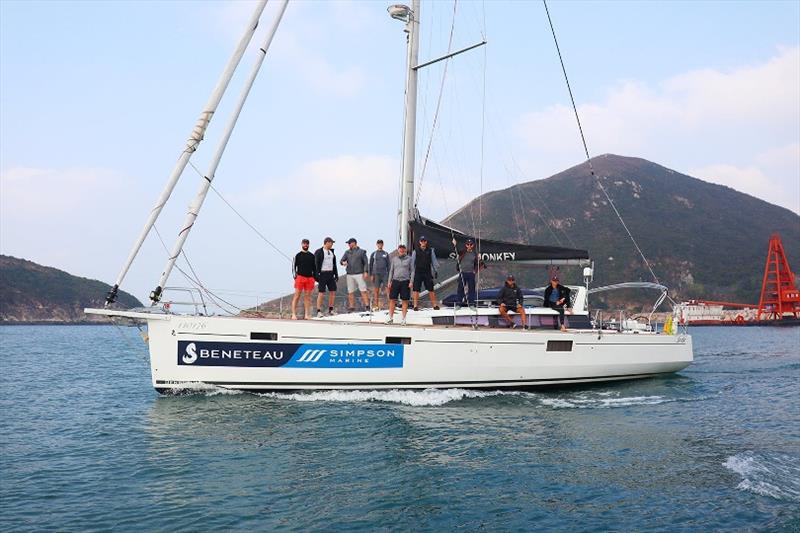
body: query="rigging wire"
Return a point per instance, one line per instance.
(274, 247)
(438, 105)
(195, 281)
(586, 148)
(483, 151)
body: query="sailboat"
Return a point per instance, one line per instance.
(464, 347)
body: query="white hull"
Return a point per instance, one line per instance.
(271, 354)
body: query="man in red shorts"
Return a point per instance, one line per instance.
(304, 270)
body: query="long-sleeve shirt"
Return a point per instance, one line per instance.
(379, 262)
(356, 260)
(400, 268)
(304, 264)
(421, 262)
(511, 296)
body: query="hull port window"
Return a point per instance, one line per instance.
(398, 340)
(559, 346)
(258, 336)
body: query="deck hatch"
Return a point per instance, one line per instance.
(559, 346)
(398, 340)
(259, 336)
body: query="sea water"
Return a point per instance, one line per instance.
(88, 445)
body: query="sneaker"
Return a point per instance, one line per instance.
(319, 313)
(376, 309)
(416, 308)
(389, 321)
(403, 322)
(331, 311)
(435, 307)
(514, 326)
(472, 307)
(351, 309)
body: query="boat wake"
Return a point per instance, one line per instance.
(773, 475)
(416, 398)
(438, 397)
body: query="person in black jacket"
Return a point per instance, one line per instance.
(327, 274)
(510, 298)
(304, 272)
(556, 296)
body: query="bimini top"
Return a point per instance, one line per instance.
(440, 238)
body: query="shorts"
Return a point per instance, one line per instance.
(381, 280)
(423, 278)
(356, 281)
(401, 289)
(304, 283)
(327, 282)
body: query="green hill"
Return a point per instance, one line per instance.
(702, 240)
(34, 293)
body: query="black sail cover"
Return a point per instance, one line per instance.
(440, 238)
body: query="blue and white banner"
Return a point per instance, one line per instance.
(252, 354)
(348, 356)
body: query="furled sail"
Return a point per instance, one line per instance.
(441, 239)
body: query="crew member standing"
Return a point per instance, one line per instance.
(304, 272)
(426, 269)
(468, 265)
(356, 263)
(379, 271)
(327, 274)
(400, 269)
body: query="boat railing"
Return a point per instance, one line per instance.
(195, 300)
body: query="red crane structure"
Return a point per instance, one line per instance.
(779, 294)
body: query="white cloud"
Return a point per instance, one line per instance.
(762, 179)
(331, 180)
(35, 192)
(740, 128)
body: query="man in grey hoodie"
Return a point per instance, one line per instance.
(400, 268)
(357, 264)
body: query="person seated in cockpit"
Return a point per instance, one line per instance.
(510, 298)
(556, 296)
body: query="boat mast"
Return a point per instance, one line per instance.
(191, 145)
(411, 17)
(197, 203)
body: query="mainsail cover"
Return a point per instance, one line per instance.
(440, 238)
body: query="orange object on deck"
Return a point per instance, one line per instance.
(779, 294)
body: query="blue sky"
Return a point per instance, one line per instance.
(97, 99)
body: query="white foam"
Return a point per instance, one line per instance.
(417, 398)
(602, 401)
(773, 475)
(207, 389)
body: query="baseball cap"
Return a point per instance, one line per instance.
(351, 239)
(510, 276)
(423, 238)
(470, 241)
(554, 278)
(328, 239)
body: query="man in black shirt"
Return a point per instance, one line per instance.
(510, 298)
(304, 270)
